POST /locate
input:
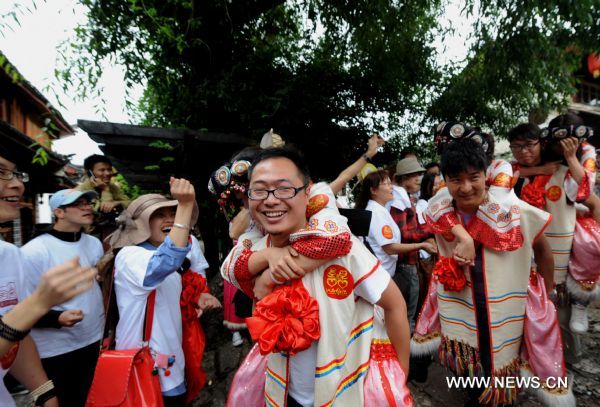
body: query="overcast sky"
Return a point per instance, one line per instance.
(31, 48)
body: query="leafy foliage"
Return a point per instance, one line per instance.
(324, 73)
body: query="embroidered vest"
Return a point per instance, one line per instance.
(506, 275)
(562, 228)
(346, 332)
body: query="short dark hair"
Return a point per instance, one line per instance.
(94, 159)
(372, 180)
(431, 165)
(524, 131)
(464, 156)
(288, 152)
(565, 120)
(427, 185)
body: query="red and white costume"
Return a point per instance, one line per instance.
(557, 194)
(522, 324)
(330, 347)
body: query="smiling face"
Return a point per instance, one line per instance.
(103, 172)
(11, 192)
(161, 222)
(384, 192)
(279, 217)
(412, 182)
(468, 189)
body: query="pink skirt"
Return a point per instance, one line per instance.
(248, 386)
(385, 383)
(230, 319)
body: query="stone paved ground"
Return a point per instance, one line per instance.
(221, 362)
(222, 359)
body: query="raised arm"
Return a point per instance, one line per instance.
(374, 143)
(570, 146)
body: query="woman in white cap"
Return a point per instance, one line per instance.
(154, 237)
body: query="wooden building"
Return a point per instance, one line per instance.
(28, 123)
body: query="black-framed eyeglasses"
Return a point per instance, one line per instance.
(80, 204)
(279, 193)
(520, 147)
(8, 175)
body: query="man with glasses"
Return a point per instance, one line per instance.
(323, 356)
(68, 335)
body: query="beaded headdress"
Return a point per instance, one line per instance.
(450, 132)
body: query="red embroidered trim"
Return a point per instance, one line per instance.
(363, 278)
(584, 191)
(383, 350)
(503, 180)
(317, 247)
(487, 236)
(444, 224)
(242, 273)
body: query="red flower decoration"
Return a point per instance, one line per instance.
(193, 284)
(450, 274)
(534, 192)
(287, 320)
(533, 195)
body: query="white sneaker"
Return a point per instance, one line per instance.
(579, 319)
(236, 339)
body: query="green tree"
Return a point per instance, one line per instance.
(326, 73)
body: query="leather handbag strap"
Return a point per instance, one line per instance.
(149, 318)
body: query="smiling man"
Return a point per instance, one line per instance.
(324, 364)
(68, 336)
(482, 308)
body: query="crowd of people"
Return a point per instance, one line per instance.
(483, 265)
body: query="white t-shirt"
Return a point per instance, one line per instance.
(401, 200)
(11, 286)
(45, 252)
(383, 231)
(304, 364)
(130, 270)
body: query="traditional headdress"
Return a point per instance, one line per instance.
(449, 132)
(233, 175)
(578, 131)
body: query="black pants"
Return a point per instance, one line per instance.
(291, 402)
(72, 374)
(175, 401)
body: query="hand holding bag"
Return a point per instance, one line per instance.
(125, 378)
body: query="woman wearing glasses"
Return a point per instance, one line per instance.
(18, 353)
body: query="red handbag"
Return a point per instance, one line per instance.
(124, 377)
